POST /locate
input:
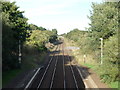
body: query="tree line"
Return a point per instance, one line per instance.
(104, 24)
(14, 29)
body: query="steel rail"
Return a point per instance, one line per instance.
(31, 80)
(45, 71)
(64, 68)
(53, 76)
(29, 83)
(72, 71)
(81, 76)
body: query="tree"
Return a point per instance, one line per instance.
(14, 29)
(104, 24)
(53, 37)
(35, 27)
(38, 39)
(104, 19)
(42, 29)
(54, 31)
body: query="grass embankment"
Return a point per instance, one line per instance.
(9, 75)
(31, 58)
(30, 61)
(94, 68)
(90, 62)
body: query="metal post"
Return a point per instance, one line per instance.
(101, 51)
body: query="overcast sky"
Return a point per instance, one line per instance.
(64, 15)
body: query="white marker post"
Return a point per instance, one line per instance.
(19, 58)
(101, 51)
(84, 58)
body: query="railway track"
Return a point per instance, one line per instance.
(58, 73)
(76, 77)
(38, 76)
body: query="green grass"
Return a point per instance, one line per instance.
(113, 85)
(9, 75)
(93, 67)
(89, 65)
(30, 61)
(33, 60)
(32, 57)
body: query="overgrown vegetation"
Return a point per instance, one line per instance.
(38, 39)
(17, 32)
(36, 45)
(14, 26)
(104, 24)
(8, 75)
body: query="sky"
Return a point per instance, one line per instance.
(63, 15)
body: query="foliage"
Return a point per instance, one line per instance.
(111, 58)
(39, 38)
(114, 84)
(104, 24)
(8, 75)
(82, 38)
(14, 26)
(35, 27)
(111, 50)
(104, 20)
(53, 37)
